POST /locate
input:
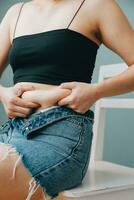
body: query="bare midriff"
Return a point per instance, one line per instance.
(45, 95)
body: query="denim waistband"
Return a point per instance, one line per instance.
(40, 119)
(89, 113)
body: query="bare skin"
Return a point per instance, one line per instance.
(104, 23)
(46, 97)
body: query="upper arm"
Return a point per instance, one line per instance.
(115, 30)
(5, 43)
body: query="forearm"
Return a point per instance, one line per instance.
(119, 84)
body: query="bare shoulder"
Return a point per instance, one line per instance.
(15, 8)
(102, 3)
(115, 30)
(5, 42)
(94, 9)
(97, 6)
(12, 11)
(103, 7)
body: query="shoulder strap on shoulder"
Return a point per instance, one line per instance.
(75, 13)
(18, 18)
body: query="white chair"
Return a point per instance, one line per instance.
(105, 180)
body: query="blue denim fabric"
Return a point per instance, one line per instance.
(54, 144)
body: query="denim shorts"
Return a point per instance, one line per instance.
(54, 144)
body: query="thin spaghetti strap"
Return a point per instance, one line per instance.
(75, 13)
(18, 19)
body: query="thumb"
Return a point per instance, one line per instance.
(68, 85)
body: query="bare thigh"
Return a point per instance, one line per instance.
(14, 177)
(15, 180)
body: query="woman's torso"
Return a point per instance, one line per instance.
(77, 16)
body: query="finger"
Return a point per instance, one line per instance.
(68, 85)
(21, 110)
(25, 104)
(15, 115)
(64, 101)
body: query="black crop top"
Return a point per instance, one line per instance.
(53, 57)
